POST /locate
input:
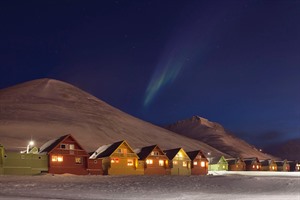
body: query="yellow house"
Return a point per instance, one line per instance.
(118, 159)
(179, 161)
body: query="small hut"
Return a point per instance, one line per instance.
(154, 160)
(118, 159)
(179, 161)
(199, 162)
(252, 164)
(268, 165)
(236, 164)
(218, 164)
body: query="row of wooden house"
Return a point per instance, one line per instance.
(66, 155)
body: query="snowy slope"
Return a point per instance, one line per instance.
(45, 109)
(215, 135)
(150, 187)
(289, 149)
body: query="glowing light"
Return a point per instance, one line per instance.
(149, 161)
(202, 164)
(31, 143)
(161, 162)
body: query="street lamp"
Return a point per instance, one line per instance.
(31, 143)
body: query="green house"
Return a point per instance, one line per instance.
(22, 163)
(218, 164)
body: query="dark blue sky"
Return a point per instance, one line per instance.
(233, 62)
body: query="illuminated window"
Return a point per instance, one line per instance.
(179, 155)
(114, 160)
(202, 164)
(257, 166)
(71, 146)
(253, 166)
(154, 153)
(273, 168)
(78, 160)
(60, 158)
(223, 166)
(195, 163)
(184, 163)
(175, 162)
(54, 159)
(149, 161)
(129, 162)
(161, 162)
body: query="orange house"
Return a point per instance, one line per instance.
(65, 155)
(118, 159)
(236, 164)
(199, 163)
(252, 164)
(154, 160)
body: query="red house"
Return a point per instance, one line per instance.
(154, 160)
(65, 155)
(199, 162)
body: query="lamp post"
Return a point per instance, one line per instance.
(31, 143)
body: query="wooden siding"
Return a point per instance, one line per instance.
(180, 164)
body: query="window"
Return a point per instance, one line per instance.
(78, 160)
(95, 161)
(161, 163)
(60, 158)
(184, 163)
(223, 166)
(257, 166)
(114, 160)
(63, 146)
(202, 164)
(254, 166)
(129, 162)
(154, 153)
(124, 151)
(195, 163)
(55, 158)
(175, 162)
(71, 146)
(149, 161)
(179, 155)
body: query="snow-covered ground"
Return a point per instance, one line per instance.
(150, 187)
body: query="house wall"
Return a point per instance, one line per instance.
(218, 167)
(198, 169)
(121, 168)
(95, 167)
(257, 167)
(240, 166)
(68, 165)
(155, 168)
(15, 163)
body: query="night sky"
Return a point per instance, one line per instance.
(234, 62)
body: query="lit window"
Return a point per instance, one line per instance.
(149, 161)
(257, 166)
(179, 155)
(71, 146)
(114, 160)
(154, 153)
(273, 168)
(223, 166)
(175, 162)
(60, 158)
(63, 146)
(253, 166)
(161, 162)
(184, 163)
(129, 162)
(202, 164)
(54, 159)
(78, 160)
(195, 163)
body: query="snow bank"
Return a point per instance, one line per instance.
(149, 187)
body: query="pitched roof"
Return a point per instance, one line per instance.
(249, 161)
(266, 162)
(51, 144)
(232, 161)
(194, 154)
(215, 160)
(279, 163)
(106, 150)
(171, 153)
(144, 152)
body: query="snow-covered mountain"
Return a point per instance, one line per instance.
(289, 149)
(216, 136)
(45, 109)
